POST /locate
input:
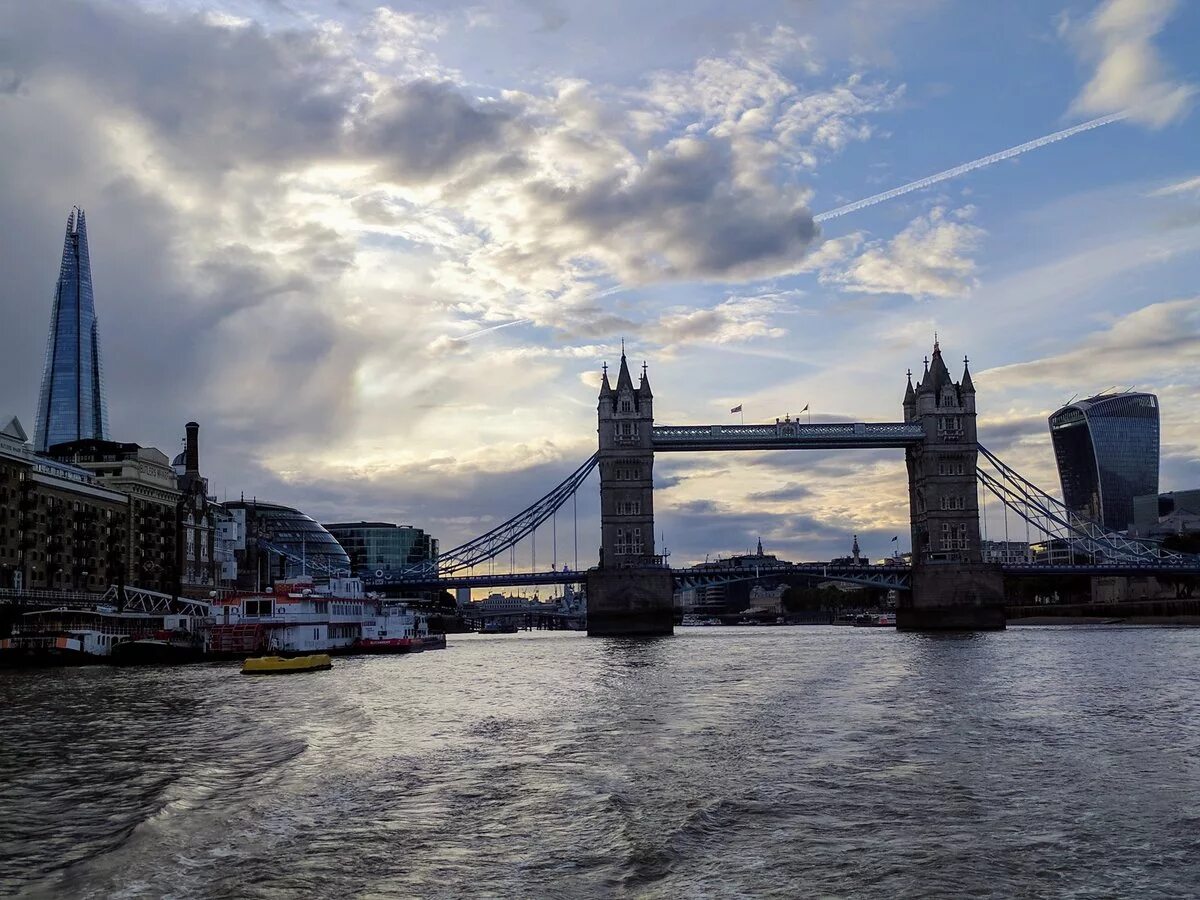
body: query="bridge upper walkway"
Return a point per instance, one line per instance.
(788, 435)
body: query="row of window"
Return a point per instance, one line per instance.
(629, 542)
(951, 465)
(627, 472)
(954, 536)
(629, 508)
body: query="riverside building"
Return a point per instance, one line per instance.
(274, 542)
(1106, 448)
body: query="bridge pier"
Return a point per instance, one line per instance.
(953, 597)
(630, 602)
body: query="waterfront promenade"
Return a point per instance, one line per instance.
(725, 762)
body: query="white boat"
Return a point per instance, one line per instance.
(299, 617)
(65, 635)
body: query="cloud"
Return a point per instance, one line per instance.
(786, 494)
(929, 258)
(735, 320)
(1159, 342)
(1129, 72)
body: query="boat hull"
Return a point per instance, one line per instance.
(290, 665)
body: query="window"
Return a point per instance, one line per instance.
(629, 542)
(954, 536)
(629, 508)
(626, 406)
(950, 465)
(953, 503)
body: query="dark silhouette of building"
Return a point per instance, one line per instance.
(1106, 448)
(71, 403)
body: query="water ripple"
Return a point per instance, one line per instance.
(772, 762)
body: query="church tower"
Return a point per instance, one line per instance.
(625, 420)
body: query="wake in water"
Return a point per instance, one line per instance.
(963, 169)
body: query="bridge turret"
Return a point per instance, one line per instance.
(910, 400)
(608, 397)
(967, 387)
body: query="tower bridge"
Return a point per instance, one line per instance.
(947, 586)
(630, 592)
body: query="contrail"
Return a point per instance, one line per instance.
(475, 334)
(969, 167)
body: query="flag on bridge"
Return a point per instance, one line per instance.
(805, 408)
(896, 538)
(737, 408)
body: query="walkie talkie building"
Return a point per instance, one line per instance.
(71, 403)
(1107, 453)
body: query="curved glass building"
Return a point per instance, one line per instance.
(71, 402)
(382, 550)
(293, 544)
(1106, 448)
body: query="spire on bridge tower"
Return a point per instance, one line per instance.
(644, 391)
(624, 379)
(760, 553)
(605, 388)
(967, 386)
(910, 397)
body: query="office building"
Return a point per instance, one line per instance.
(1157, 516)
(1106, 448)
(71, 402)
(383, 551)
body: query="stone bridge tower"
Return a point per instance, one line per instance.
(630, 592)
(952, 587)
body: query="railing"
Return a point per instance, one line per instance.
(792, 433)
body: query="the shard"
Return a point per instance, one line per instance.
(71, 403)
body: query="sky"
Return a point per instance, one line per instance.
(381, 250)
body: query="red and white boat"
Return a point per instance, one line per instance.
(299, 617)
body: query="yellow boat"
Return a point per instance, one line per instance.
(285, 665)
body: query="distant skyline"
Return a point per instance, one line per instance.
(380, 251)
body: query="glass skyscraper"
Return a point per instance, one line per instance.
(1107, 453)
(71, 403)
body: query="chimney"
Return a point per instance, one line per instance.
(191, 450)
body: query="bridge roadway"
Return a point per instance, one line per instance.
(878, 576)
(887, 577)
(788, 435)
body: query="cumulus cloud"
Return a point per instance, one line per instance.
(1129, 71)
(734, 320)
(929, 258)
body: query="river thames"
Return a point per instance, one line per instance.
(723, 762)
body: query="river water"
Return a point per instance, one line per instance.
(723, 762)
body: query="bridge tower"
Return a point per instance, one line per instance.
(952, 587)
(630, 592)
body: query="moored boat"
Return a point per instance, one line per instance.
(299, 617)
(67, 636)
